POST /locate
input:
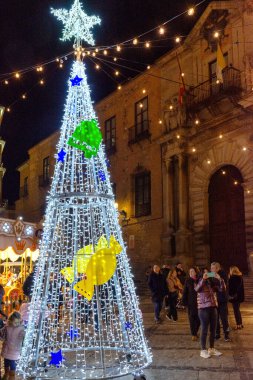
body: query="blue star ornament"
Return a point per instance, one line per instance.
(101, 175)
(56, 358)
(77, 23)
(76, 81)
(61, 155)
(128, 326)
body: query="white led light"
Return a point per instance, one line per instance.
(6, 227)
(29, 231)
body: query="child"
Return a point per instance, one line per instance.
(12, 335)
(24, 312)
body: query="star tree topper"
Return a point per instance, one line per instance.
(77, 23)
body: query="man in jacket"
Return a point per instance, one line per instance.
(181, 275)
(222, 298)
(189, 299)
(28, 284)
(158, 289)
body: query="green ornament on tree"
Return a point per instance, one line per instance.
(86, 137)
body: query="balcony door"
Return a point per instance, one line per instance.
(227, 218)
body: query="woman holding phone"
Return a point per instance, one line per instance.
(208, 285)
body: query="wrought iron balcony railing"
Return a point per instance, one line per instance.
(210, 91)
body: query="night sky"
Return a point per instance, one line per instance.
(30, 35)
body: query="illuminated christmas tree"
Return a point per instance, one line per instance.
(84, 321)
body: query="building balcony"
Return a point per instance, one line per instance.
(139, 132)
(43, 181)
(209, 92)
(23, 192)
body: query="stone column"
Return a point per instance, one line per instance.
(183, 235)
(183, 191)
(168, 231)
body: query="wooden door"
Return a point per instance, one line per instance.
(227, 218)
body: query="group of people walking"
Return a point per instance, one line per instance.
(205, 293)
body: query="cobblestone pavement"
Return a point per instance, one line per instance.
(176, 357)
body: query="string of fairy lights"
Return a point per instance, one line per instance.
(234, 181)
(104, 51)
(136, 42)
(108, 60)
(104, 59)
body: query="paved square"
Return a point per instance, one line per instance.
(176, 357)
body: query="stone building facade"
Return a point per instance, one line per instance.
(35, 179)
(180, 149)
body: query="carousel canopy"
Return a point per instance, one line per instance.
(10, 254)
(18, 239)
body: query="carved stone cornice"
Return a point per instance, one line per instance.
(248, 6)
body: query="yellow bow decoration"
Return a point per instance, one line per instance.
(98, 267)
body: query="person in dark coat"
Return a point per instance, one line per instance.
(174, 286)
(2, 292)
(165, 271)
(236, 293)
(158, 289)
(189, 299)
(181, 275)
(222, 298)
(28, 285)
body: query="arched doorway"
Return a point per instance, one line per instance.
(227, 218)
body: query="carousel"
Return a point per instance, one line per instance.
(18, 245)
(18, 253)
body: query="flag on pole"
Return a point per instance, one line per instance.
(181, 95)
(221, 64)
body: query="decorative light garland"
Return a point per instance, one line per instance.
(65, 16)
(82, 34)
